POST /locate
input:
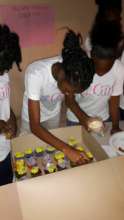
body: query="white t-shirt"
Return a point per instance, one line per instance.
(94, 101)
(87, 48)
(40, 85)
(122, 96)
(4, 97)
(4, 113)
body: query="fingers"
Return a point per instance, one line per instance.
(83, 159)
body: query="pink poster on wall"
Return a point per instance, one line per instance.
(33, 23)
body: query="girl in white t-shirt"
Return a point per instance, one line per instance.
(9, 53)
(109, 11)
(47, 82)
(101, 99)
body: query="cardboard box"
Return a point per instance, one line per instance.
(86, 192)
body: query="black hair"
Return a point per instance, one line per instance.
(105, 38)
(108, 4)
(10, 51)
(108, 10)
(79, 69)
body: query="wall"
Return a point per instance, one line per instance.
(77, 14)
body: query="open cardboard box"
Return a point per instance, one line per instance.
(79, 133)
(94, 191)
(86, 192)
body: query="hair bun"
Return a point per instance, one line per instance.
(72, 40)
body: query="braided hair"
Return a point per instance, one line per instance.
(79, 69)
(10, 51)
(105, 38)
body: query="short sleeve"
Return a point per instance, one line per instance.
(33, 83)
(119, 79)
(88, 47)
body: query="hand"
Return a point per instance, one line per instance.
(115, 130)
(11, 130)
(3, 126)
(6, 128)
(76, 156)
(86, 122)
(96, 125)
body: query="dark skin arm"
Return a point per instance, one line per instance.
(114, 113)
(3, 126)
(75, 108)
(45, 135)
(71, 103)
(12, 123)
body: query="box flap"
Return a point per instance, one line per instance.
(9, 203)
(86, 192)
(93, 146)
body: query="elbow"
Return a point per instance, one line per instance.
(34, 128)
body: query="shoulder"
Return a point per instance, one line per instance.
(42, 66)
(4, 77)
(118, 68)
(118, 77)
(118, 64)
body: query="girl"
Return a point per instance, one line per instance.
(9, 53)
(101, 99)
(109, 11)
(47, 81)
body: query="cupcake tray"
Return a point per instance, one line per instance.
(45, 160)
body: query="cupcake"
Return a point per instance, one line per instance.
(89, 155)
(80, 148)
(47, 159)
(21, 173)
(39, 151)
(50, 168)
(19, 155)
(72, 142)
(29, 158)
(59, 155)
(28, 152)
(35, 171)
(30, 162)
(50, 149)
(19, 163)
(61, 164)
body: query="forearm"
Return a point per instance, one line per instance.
(114, 111)
(49, 138)
(12, 122)
(75, 108)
